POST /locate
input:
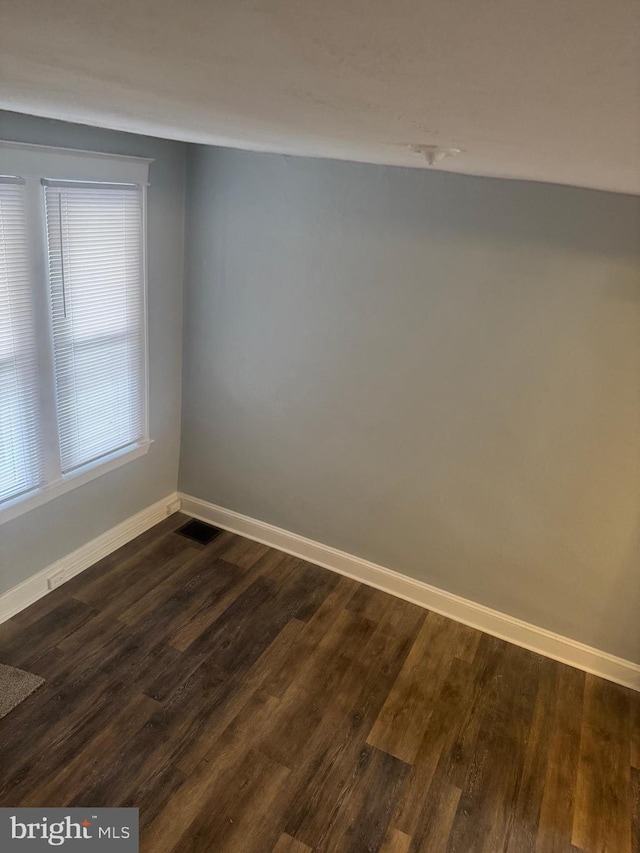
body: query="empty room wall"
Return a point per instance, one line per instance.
(40, 537)
(434, 372)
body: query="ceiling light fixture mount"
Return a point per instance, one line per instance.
(434, 153)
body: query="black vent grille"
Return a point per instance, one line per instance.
(199, 532)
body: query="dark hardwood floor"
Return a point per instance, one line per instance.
(248, 701)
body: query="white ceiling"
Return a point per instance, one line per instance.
(547, 90)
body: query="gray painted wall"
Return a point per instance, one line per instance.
(38, 538)
(434, 372)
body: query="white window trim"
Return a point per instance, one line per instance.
(31, 500)
(71, 164)
(34, 162)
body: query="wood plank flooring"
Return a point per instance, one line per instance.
(247, 701)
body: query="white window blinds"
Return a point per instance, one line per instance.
(21, 467)
(73, 360)
(95, 253)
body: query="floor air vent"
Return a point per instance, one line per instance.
(199, 532)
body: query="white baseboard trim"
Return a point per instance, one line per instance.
(38, 585)
(460, 609)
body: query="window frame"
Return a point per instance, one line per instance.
(33, 163)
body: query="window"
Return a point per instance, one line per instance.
(20, 444)
(73, 367)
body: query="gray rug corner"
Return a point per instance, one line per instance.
(15, 686)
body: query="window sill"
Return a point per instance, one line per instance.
(13, 508)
